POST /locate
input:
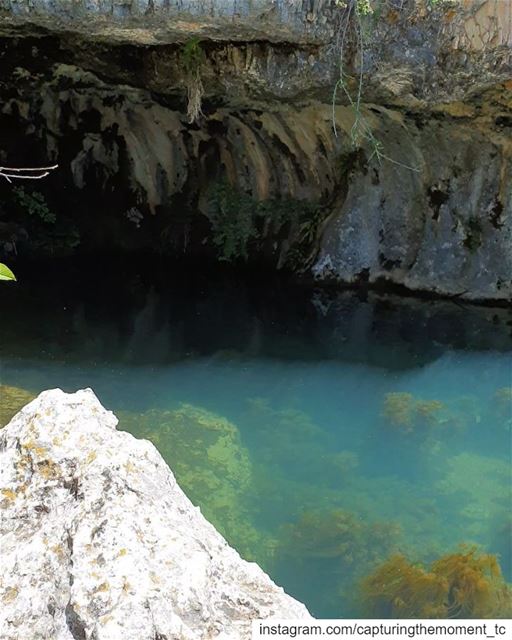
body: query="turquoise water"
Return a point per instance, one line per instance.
(321, 434)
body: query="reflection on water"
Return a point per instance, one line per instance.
(325, 437)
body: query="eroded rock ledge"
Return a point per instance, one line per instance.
(98, 541)
(103, 87)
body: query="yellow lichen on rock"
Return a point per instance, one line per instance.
(10, 594)
(48, 469)
(9, 494)
(34, 448)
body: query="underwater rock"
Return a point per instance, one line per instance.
(212, 466)
(340, 534)
(502, 403)
(310, 443)
(98, 540)
(12, 399)
(210, 463)
(480, 503)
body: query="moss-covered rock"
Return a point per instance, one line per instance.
(210, 463)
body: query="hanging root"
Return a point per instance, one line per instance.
(195, 92)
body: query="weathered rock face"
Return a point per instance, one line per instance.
(444, 225)
(97, 540)
(103, 88)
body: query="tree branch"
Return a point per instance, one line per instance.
(27, 173)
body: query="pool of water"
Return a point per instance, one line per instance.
(321, 433)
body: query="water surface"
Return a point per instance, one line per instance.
(320, 432)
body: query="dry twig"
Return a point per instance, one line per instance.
(27, 173)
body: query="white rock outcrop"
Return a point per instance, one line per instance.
(98, 541)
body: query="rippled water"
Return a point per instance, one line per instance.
(320, 433)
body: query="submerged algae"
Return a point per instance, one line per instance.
(398, 409)
(336, 509)
(467, 584)
(407, 413)
(12, 399)
(339, 534)
(332, 548)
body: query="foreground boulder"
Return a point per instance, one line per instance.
(98, 541)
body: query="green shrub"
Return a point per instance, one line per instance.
(240, 222)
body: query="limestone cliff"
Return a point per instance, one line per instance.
(97, 540)
(104, 88)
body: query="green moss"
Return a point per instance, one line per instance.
(192, 56)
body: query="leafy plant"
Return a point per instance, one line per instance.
(233, 221)
(238, 220)
(34, 203)
(6, 273)
(48, 234)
